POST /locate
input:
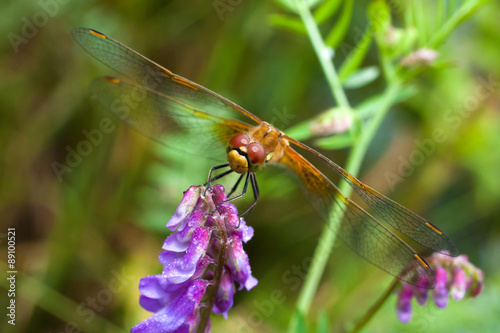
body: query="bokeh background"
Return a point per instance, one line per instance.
(99, 224)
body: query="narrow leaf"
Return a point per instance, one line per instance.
(286, 22)
(361, 77)
(379, 15)
(335, 142)
(327, 10)
(463, 13)
(373, 104)
(356, 56)
(301, 131)
(340, 28)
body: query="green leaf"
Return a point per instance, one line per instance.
(373, 104)
(379, 15)
(292, 6)
(326, 10)
(361, 77)
(420, 21)
(286, 22)
(301, 323)
(356, 56)
(340, 28)
(335, 142)
(405, 42)
(463, 13)
(301, 131)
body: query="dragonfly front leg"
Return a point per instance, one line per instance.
(245, 187)
(255, 190)
(210, 179)
(235, 186)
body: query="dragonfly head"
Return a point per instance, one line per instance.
(245, 156)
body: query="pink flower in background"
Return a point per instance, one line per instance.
(454, 276)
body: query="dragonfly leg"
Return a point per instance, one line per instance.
(219, 176)
(245, 187)
(255, 190)
(235, 186)
(210, 179)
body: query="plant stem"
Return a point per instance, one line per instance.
(324, 54)
(373, 310)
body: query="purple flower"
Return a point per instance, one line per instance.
(440, 292)
(201, 261)
(453, 276)
(403, 307)
(420, 292)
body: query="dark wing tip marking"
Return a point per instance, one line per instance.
(97, 33)
(421, 260)
(433, 227)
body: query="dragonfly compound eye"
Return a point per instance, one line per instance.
(256, 153)
(239, 140)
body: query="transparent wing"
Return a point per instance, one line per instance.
(154, 77)
(163, 117)
(397, 216)
(359, 230)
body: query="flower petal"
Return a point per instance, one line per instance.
(185, 208)
(440, 293)
(171, 317)
(183, 268)
(421, 294)
(179, 241)
(237, 261)
(215, 195)
(157, 292)
(224, 298)
(403, 307)
(459, 284)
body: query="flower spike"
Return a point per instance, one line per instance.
(201, 261)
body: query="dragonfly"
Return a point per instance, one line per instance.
(159, 103)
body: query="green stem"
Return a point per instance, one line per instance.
(374, 309)
(323, 52)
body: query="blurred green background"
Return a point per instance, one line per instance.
(103, 221)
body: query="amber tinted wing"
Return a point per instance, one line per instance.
(397, 216)
(361, 231)
(154, 77)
